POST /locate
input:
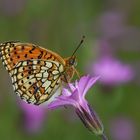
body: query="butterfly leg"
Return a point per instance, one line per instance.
(77, 73)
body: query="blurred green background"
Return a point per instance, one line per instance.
(59, 26)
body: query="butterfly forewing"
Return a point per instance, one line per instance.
(14, 52)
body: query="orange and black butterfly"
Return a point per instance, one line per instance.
(36, 72)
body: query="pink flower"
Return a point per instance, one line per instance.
(75, 96)
(33, 117)
(112, 71)
(122, 129)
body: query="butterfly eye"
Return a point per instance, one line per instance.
(72, 61)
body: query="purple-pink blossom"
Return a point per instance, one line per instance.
(74, 95)
(33, 117)
(122, 128)
(112, 71)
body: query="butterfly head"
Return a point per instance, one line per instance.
(70, 64)
(71, 61)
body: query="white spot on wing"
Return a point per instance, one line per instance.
(24, 63)
(15, 86)
(20, 69)
(35, 62)
(45, 74)
(46, 84)
(34, 67)
(18, 64)
(55, 72)
(44, 68)
(43, 80)
(48, 64)
(39, 75)
(61, 68)
(55, 77)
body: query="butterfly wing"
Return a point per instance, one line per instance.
(13, 52)
(35, 71)
(35, 81)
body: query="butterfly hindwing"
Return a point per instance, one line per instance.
(35, 81)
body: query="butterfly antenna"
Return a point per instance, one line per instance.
(81, 42)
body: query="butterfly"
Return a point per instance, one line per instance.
(36, 72)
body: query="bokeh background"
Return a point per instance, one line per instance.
(111, 49)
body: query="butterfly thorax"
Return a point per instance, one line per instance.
(70, 64)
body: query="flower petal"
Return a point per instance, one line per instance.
(75, 96)
(66, 92)
(57, 103)
(85, 84)
(64, 100)
(71, 86)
